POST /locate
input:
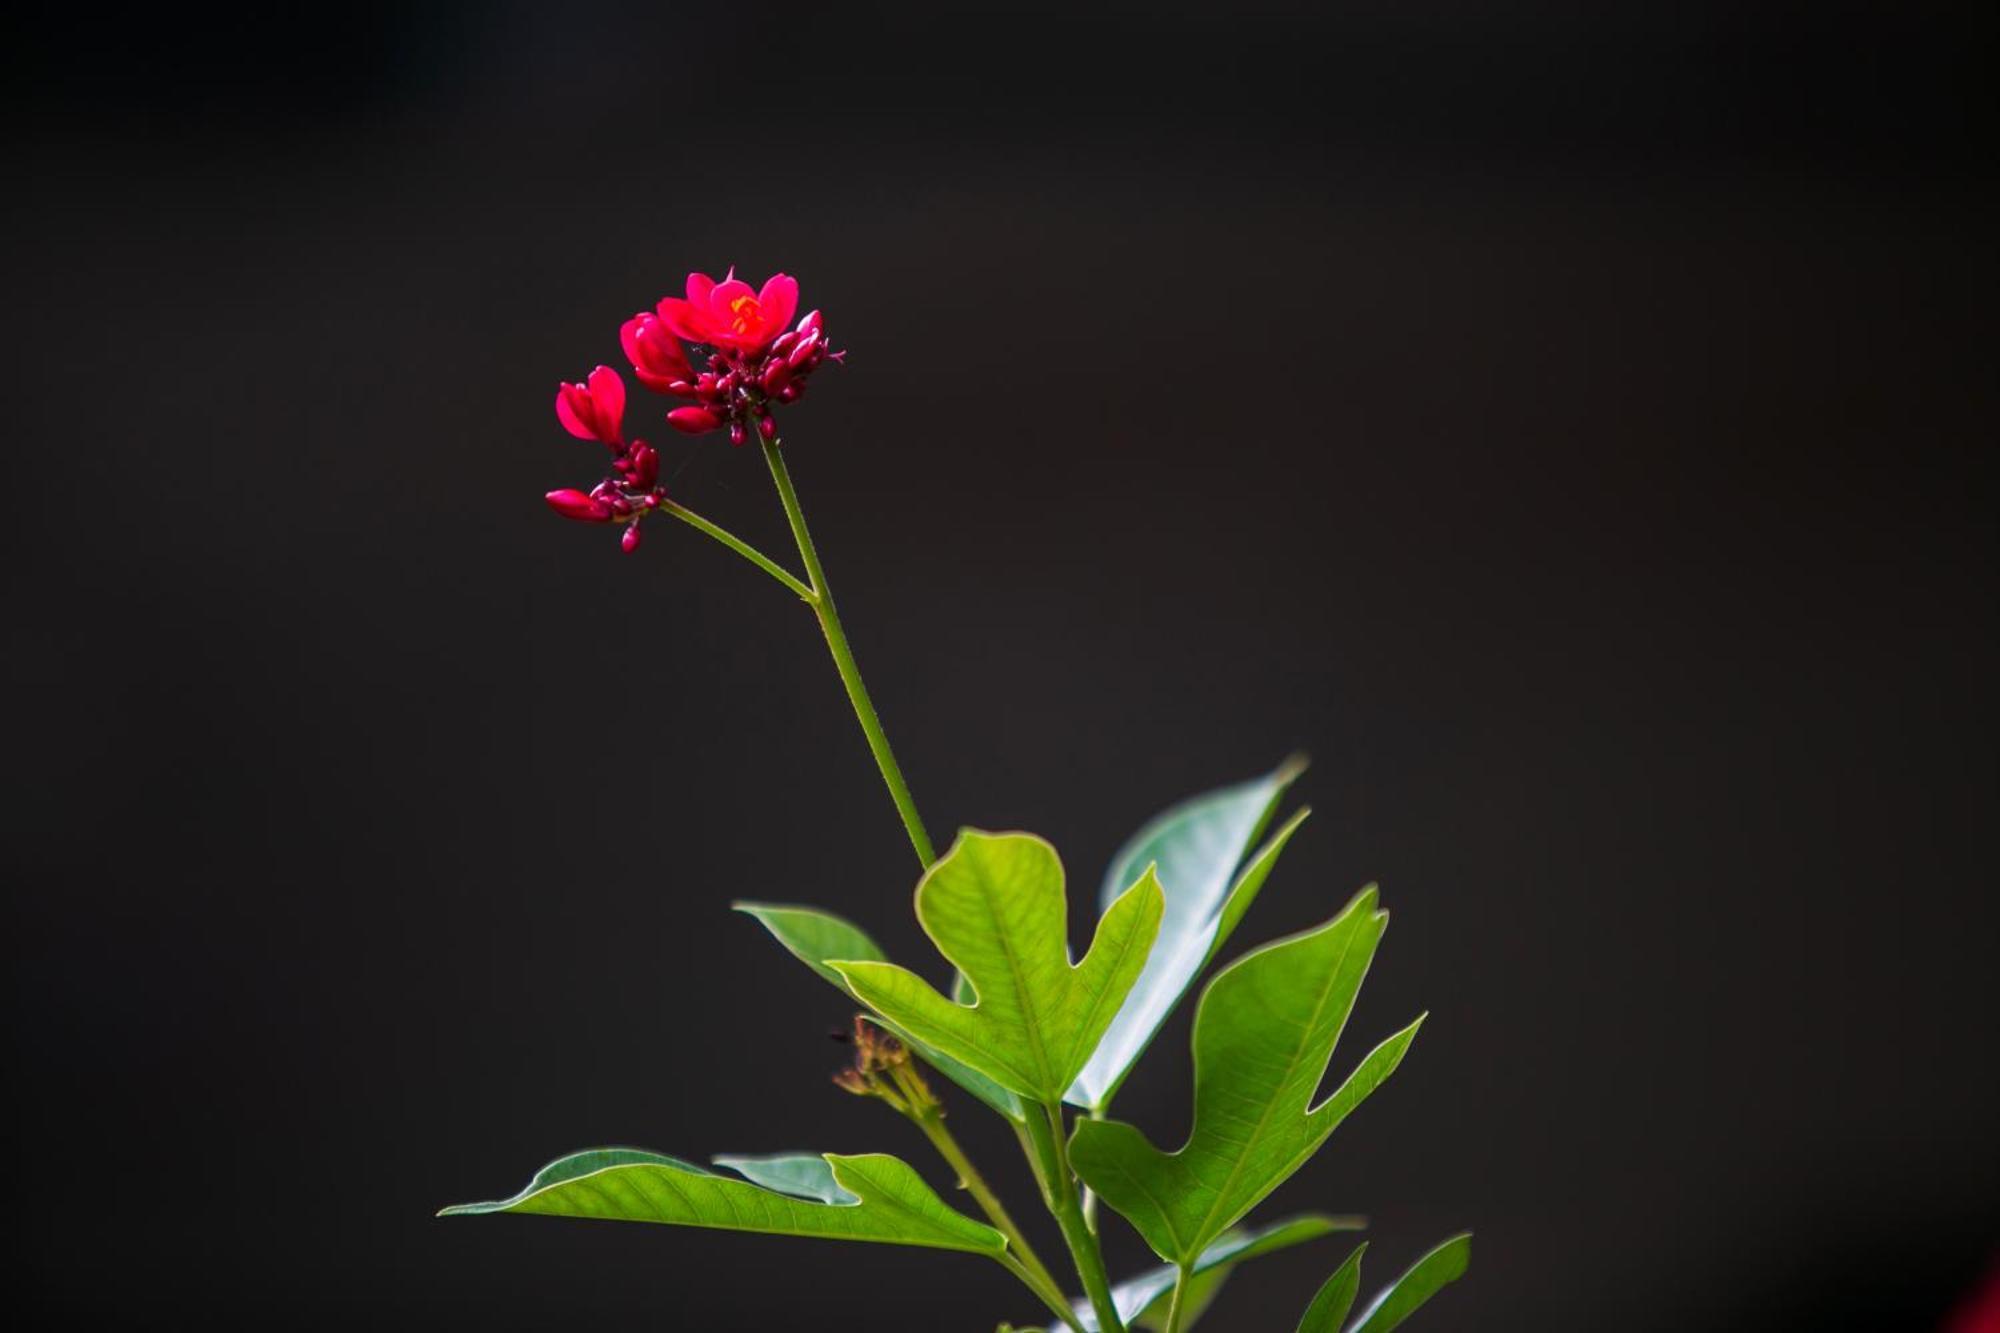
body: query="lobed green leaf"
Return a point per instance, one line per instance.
(994, 905)
(813, 936)
(1263, 1037)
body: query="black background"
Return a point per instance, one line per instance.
(1574, 428)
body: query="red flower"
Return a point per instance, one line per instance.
(732, 314)
(594, 410)
(656, 354)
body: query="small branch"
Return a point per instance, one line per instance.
(741, 547)
(1049, 1293)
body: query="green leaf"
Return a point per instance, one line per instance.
(995, 907)
(813, 936)
(1263, 1036)
(879, 1199)
(1142, 1301)
(1195, 848)
(1214, 1268)
(1336, 1297)
(1400, 1299)
(801, 1175)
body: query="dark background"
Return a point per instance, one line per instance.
(1575, 428)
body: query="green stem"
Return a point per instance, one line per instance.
(738, 545)
(1044, 1138)
(929, 1117)
(820, 598)
(1050, 1294)
(1089, 1194)
(1180, 1292)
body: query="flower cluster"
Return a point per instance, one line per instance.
(729, 348)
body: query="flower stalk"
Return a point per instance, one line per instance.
(822, 604)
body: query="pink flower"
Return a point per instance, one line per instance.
(732, 314)
(656, 354)
(594, 410)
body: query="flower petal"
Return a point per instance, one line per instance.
(607, 391)
(628, 338)
(685, 320)
(699, 285)
(572, 420)
(780, 299)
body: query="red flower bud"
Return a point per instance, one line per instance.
(655, 353)
(594, 410)
(803, 351)
(693, 420)
(775, 377)
(767, 427)
(577, 505)
(645, 465)
(630, 541)
(736, 434)
(811, 323)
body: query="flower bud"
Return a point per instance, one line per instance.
(767, 427)
(693, 420)
(736, 434)
(811, 323)
(645, 466)
(775, 377)
(578, 506)
(803, 351)
(630, 541)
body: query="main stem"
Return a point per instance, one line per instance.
(821, 602)
(1050, 1155)
(1174, 1311)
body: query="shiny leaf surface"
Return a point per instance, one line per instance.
(1195, 849)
